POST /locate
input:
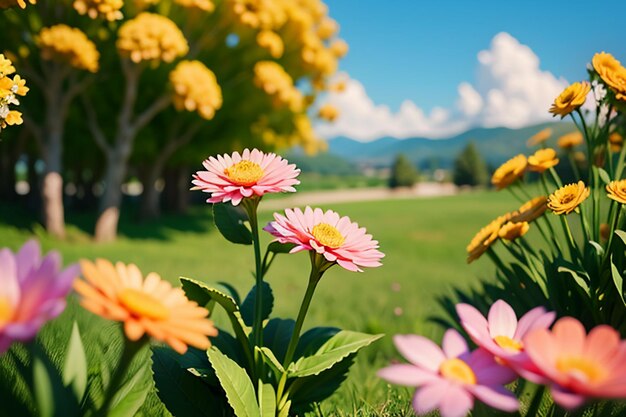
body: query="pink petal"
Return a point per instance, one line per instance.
(456, 402)
(454, 344)
(496, 397)
(502, 320)
(569, 335)
(420, 351)
(9, 288)
(474, 323)
(428, 397)
(537, 318)
(566, 399)
(405, 374)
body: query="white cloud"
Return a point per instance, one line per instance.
(510, 90)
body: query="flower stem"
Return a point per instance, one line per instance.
(555, 178)
(574, 253)
(251, 206)
(128, 354)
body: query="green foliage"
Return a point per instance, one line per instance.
(229, 220)
(403, 173)
(470, 168)
(247, 307)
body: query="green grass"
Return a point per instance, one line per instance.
(424, 241)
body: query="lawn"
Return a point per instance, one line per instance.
(424, 241)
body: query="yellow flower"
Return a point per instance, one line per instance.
(570, 99)
(145, 305)
(540, 137)
(328, 112)
(485, 238)
(615, 142)
(570, 140)
(339, 48)
(327, 28)
(258, 14)
(612, 73)
(12, 3)
(512, 230)
(14, 118)
(108, 9)
(566, 199)
(6, 66)
(274, 80)
(509, 172)
(204, 5)
(531, 210)
(617, 191)
(151, 37)
(269, 40)
(9, 87)
(196, 89)
(338, 87)
(65, 44)
(542, 160)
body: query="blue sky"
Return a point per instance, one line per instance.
(421, 51)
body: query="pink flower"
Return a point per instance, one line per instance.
(502, 334)
(235, 177)
(336, 238)
(578, 366)
(450, 378)
(32, 291)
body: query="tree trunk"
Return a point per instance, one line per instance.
(52, 187)
(7, 173)
(150, 199)
(183, 182)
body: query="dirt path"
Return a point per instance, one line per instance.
(316, 198)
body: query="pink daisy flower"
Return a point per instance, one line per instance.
(578, 366)
(502, 334)
(252, 173)
(32, 291)
(336, 238)
(449, 379)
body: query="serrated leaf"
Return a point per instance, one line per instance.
(75, 366)
(199, 291)
(229, 220)
(267, 400)
(618, 281)
(277, 247)
(337, 348)
(230, 290)
(236, 383)
(248, 305)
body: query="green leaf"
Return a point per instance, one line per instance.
(236, 383)
(622, 235)
(269, 358)
(44, 394)
(75, 366)
(582, 283)
(267, 400)
(230, 222)
(131, 396)
(604, 176)
(230, 290)
(277, 247)
(337, 348)
(618, 281)
(276, 336)
(313, 339)
(248, 306)
(182, 393)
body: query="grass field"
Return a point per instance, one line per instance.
(424, 241)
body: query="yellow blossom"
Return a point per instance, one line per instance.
(338, 87)
(274, 80)
(531, 210)
(204, 5)
(258, 14)
(566, 199)
(616, 190)
(196, 89)
(327, 28)
(4, 4)
(107, 9)
(540, 137)
(65, 44)
(542, 160)
(615, 142)
(6, 66)
(328, 112)
(570, 140)
(10, 88)
(485, 238)
(151, 37)
(570, 99)
(509, 172)
(339, 48)
(269, 40)
(612, 73)
(513, 230)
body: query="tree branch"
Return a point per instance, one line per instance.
(157, 106)
(35, 130)
(94, 126)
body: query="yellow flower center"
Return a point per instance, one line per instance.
(143, 305)
(509, 344)
(6, 311)
(244, 173)
(582, 368)
(458, 371)
(328, 236)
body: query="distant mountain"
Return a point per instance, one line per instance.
(496, 145)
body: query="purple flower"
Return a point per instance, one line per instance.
(449, 379)
(32, 291)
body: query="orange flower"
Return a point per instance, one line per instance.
(512, 230)
(615, 142)
(542, 160)
(485, 238)
(509, 172)
(566, 199)
(617, 191)
(570, 140)
(612, 73)
(145, 306)
(531, 210)
(540, 137)
(570, 99)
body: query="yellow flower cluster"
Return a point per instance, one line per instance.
(328, 112)
(151, 37)
(274, 80)
(9, 89)
(612, 73)
(4, 4)
(196, 89)
(66, 44)
(107, 9)
(269, 40)
(570, 99)
(302, 135)
(204, 5)
(258, 14)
